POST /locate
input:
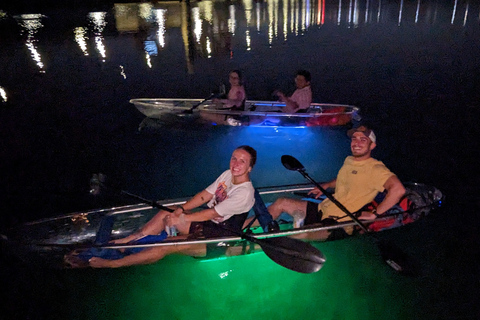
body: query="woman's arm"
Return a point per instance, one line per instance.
(197, 200)
(186, 219)
(157, 224)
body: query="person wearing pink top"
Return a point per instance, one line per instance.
(236, 95)
(301, 99)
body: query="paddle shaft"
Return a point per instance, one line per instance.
(199, 104)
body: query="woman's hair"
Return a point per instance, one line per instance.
(251, 151)
(239, 73)
(306, 74)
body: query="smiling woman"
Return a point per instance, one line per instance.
(229, 199)
(236, 95)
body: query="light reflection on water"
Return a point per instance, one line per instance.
(31, 24)
(97, 20)
(219, 28)
(3, 94)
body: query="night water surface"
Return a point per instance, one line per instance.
(68, 72)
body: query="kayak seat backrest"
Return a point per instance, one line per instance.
(236, 221)
(409, 202)
(413, 204)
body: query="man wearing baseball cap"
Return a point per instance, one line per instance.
(358, 182)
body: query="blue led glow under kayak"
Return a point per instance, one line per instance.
(254, 113)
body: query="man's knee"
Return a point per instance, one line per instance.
(284, 202)
(280, 205)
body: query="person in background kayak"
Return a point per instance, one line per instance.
(359, 180)
(236, 95)
(301, 99)
(229, 199)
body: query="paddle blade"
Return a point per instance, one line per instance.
(221, 90)
(292, 163)
(96, 183)
(397, 259)
(293, 254)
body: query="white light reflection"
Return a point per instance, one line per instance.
(350, 13)
(3, 94)
(99, 23)
(122, 72)
(355, 13)
(248, 17)
(400, 12)
(465, 17)
(160, 15)
(307, 14)
(379, 10)
(208, 44)
(149, 60)
(232, 23)
(454, 11)
(258, 12)
(285, 20)
(225, 274)
(270, 23)
(35, 55)
(339, 12)
(418, 12)
(303, 16)
(272, 20)
(197, 23)
(31, 23)
(81, 39)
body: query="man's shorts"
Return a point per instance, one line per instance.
(207, 229)
(313, 214)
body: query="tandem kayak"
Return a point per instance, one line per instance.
(45, 242)
(254, 113)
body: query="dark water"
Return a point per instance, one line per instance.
(411, 66)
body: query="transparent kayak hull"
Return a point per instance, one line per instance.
(255, 113)
(46, 241)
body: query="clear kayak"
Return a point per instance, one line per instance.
(254, 113)
(47, 241)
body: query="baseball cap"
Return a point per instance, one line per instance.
(366, 131)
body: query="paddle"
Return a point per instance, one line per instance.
(221, 92)
(190, 111)
(290, 253)
(392, 255)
